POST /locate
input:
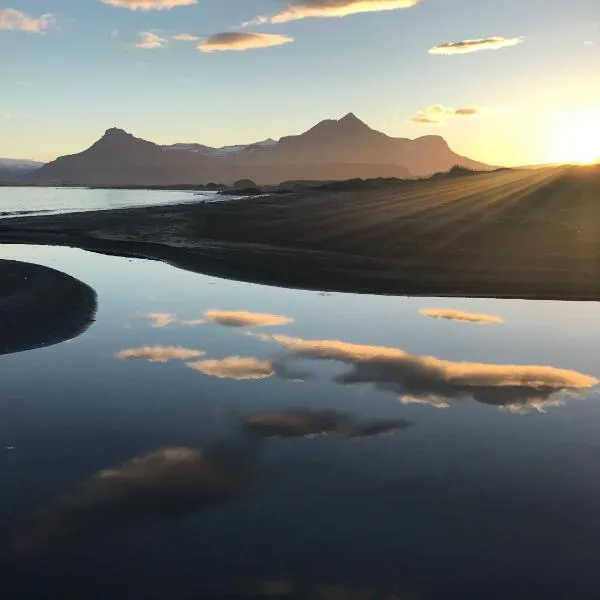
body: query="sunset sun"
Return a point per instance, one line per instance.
(576, 136)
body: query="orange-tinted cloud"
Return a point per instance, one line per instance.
(15, 20)
(459, 315)
(149, 4)
(235, 367)
(302, 9)
(151, 41)
(236, 40)
(159, 354)
(430, 379)
(468, 46)
(244, 318)
(309, 423)
(438, 113)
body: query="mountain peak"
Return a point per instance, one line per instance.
(350, 118)
(437, 140)
(347, 125)
(115, 140)
(116, 132)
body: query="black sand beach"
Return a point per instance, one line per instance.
(41, 306)
(507, 234)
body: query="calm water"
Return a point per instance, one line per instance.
(21, 201)
(171, 450)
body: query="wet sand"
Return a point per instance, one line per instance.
(41, 306)
(510, 234)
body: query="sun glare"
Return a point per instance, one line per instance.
(576, 137)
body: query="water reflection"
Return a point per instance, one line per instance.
(168, 483)
(228, 318)
(428, 379)
(159, 354)
(308, 423)
(41, 307)
(235, 367)
(248, 367)
(160, 320)
(450, 314)
(433, 505)
(417, 379)
(243, 318)
(299, 589)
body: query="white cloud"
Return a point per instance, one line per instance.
(235, 40)
(149, 4)
(193, 322)
(468, 46)
(302, 9)
(151, 41)
(15, 20)
(185, 37)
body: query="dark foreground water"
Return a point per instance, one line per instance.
(207, 438)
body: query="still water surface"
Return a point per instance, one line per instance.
(30, 201)
(210, 438)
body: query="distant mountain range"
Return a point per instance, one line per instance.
(332, 150)
(224, 151)
(12, 169)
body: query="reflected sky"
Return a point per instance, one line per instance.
(451, 314)
(446, 503)
(170, 482)
(18, 201)
(158, 354)
(427, 379)
(309, 423)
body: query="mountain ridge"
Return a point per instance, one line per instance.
(13, 170)
(332, 149)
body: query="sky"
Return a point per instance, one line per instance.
(507, 82)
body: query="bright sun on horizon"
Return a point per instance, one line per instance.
(576, 136)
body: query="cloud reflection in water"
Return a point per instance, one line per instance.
(427, 379)
(308, 423)
(168, 483)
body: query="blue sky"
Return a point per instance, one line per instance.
(82, 73)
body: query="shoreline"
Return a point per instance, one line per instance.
(530, 235)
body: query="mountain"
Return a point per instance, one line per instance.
(331, 150)
(13, 170)
(210, 151)
(352, 141)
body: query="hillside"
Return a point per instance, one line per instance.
(12, 169)
(331, 150)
